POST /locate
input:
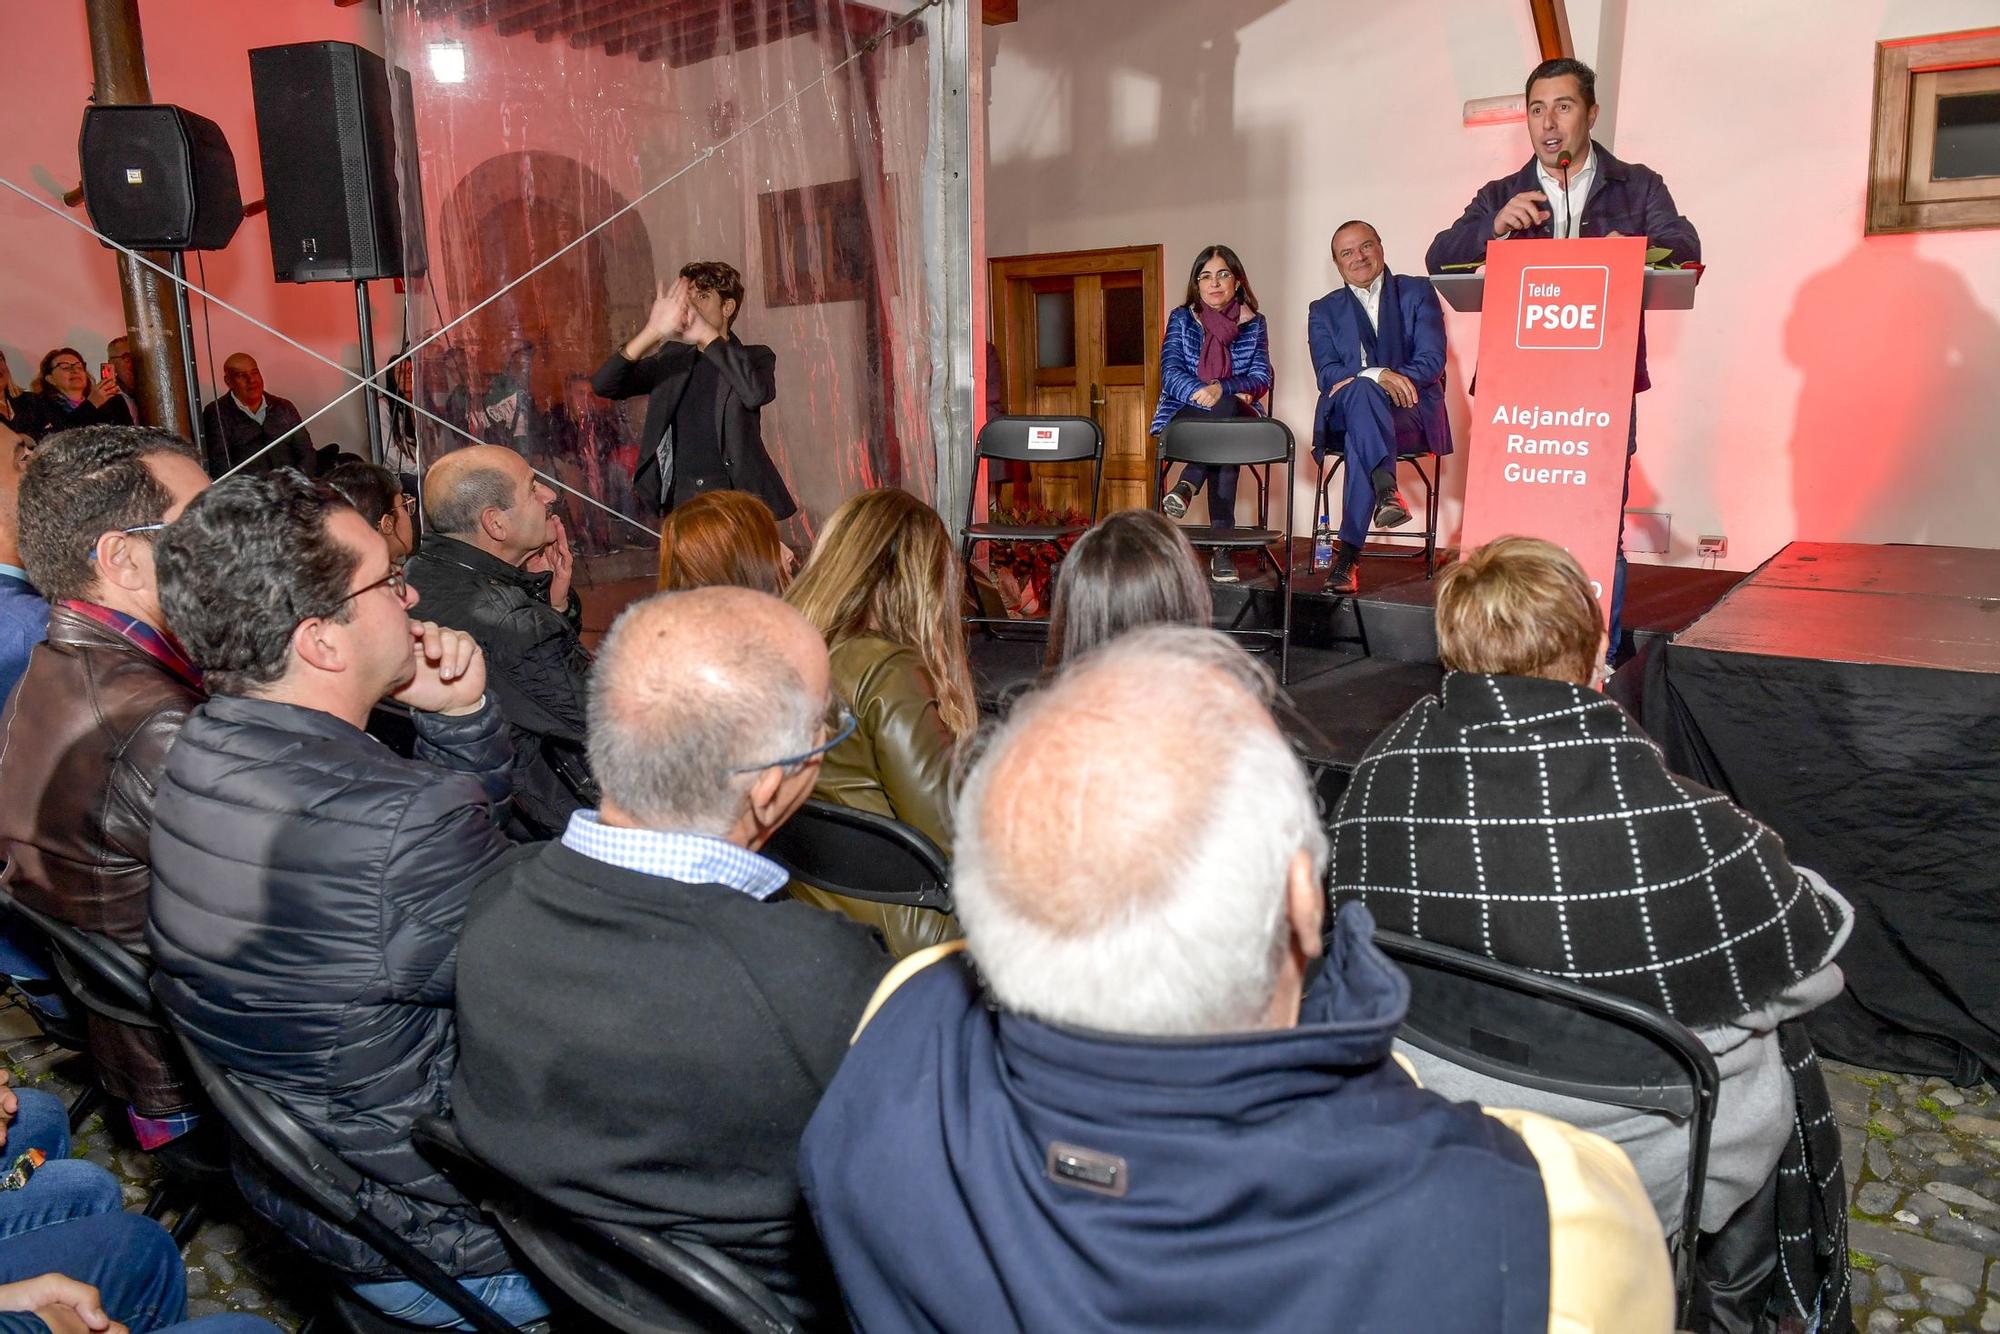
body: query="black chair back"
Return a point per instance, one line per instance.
(1556, 1036)
(1227, 441)
(634, 1281)
(1041, 439)
(104, 976)
(325, 1182)
(862, 856)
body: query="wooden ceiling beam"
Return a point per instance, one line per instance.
(584, 13)
(521, 20)
(645, 17)
(1551, 28)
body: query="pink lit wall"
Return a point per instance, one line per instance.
(1828, 386)
(58, 286)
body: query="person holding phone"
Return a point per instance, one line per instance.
(64, 395)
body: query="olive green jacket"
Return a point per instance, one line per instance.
(898, 764)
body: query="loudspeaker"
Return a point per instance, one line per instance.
(330, 151)
(158, 177)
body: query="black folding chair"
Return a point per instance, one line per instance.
(635, 1281)
(862, 856)
(1239, 441)
(1556, 1036)
(109, 980)
(328, 1185)
(1030, 440)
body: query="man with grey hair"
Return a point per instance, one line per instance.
(703, 1013)
(1146, 1101)
(496, 564)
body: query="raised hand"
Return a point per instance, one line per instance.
(451, 671)
(558, 560)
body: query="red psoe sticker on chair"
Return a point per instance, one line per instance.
(1044, 437)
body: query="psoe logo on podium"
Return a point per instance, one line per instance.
(1562, 306)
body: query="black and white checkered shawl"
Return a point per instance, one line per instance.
(1533, 822)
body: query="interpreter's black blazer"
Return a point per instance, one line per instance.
(749, 381)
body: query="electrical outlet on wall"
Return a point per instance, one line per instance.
(1649, 531)
(1712, 546)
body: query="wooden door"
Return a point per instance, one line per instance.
(1079, 336)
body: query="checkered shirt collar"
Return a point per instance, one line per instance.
(694, 859)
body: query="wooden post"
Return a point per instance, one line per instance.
(152, 316)
(1552, 28)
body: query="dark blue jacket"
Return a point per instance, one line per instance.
(1281, 1180)
(1334, 327)
(1625, 197)
(1180, 353)
(24, 621)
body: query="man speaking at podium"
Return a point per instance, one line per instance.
(1571, 188)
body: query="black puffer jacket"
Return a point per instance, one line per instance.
(535, 667)
(308, 887)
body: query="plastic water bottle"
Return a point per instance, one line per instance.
(1322, 544)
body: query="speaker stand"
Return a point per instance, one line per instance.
(190, 372)
(364, 320)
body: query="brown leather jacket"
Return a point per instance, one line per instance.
(82, 743)
(898, 764)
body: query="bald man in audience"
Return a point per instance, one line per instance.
(702, 1011)
(239, 428)
(1142, 1099)
(496, 563)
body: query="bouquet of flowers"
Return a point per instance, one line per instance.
(1022, 572)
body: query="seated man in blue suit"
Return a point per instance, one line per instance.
(1378, 352)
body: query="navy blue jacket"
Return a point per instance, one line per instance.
(1180, 353)
(1283, 1179)
(1625, 197)
(1334, 326)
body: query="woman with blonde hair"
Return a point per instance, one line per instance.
(882, 586)
(724, 538)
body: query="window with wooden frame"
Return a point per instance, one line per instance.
(1935, 163)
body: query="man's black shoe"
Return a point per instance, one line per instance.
(1390, 511)
(1343, 580)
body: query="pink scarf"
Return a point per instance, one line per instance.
(1218, 331)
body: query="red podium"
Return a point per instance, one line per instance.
(1552, 411)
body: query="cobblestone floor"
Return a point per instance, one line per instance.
(1922, 1162)
(1923, 1182)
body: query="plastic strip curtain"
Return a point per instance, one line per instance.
(787, 138)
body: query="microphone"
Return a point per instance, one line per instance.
(1569, 214)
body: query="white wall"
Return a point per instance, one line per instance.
(61, 287)
(1827, 387)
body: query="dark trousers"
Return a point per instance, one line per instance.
(1618, 576)
(1222, 500)
(1372, 432)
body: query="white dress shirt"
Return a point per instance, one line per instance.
(1370, 298)
(263, 406)
(1580, 177)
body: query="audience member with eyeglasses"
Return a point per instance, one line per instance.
(378, 495)
(703, 1012)
(66, 394)
(497, 564)
(309, 884)
(88, 729)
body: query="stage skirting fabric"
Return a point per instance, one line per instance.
(1850, 697)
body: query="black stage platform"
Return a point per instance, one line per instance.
(1342, 692)
(1849, 696)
